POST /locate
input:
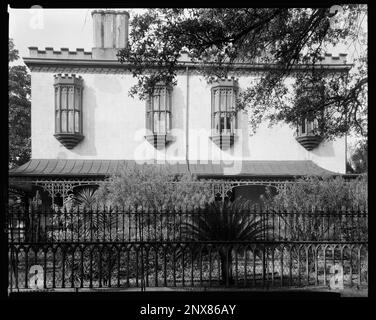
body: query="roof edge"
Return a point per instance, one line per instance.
(217, 169)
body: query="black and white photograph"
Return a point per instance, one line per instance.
(188, 150)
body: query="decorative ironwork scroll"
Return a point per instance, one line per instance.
(222, 188)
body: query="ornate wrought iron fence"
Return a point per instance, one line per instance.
(158, 248)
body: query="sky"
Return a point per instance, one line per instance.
(50, 28)
(57, 28)
(64, 28)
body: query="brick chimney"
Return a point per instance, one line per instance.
(110, 33)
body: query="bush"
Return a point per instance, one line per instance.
(154, 188)
(322, 193)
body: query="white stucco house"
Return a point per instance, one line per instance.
(85, 125)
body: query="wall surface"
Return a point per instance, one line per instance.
(114, 126)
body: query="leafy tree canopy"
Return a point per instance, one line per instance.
(217, 38)
(19, 110)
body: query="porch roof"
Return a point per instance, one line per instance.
(102, 168)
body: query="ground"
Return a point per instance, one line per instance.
(347, 292)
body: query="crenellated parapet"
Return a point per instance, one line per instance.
(224, 82)
(63, 53)
(68, 79)
(328, 58)
(103, 12)
(50, 57)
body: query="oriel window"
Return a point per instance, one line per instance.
(308, 127)
(158, 110)
(68, 109)
(224, 107)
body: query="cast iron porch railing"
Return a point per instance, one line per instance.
(129, 249)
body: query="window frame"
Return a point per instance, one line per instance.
(308, 127)
(226, 113)
(68, 89)
(153, 111)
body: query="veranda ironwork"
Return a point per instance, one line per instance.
(125, 248)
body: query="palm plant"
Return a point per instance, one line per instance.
(86, 198)
(226, 224)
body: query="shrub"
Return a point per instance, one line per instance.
(322, 193)
(154, 188)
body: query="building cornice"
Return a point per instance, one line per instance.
(65, 58)
(35, 64)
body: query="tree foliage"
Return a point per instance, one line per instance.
(19, 110)
(281, 37)
(359, 158)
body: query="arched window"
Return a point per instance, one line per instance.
(158, 116)
(68, 109)
(224, 116)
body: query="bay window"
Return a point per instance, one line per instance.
(311, 96)
(158, 116)
(68, 109)
(308, 133)
(307, 127)
(224, 115)
(158, 110)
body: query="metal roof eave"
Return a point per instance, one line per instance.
(102, 168)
